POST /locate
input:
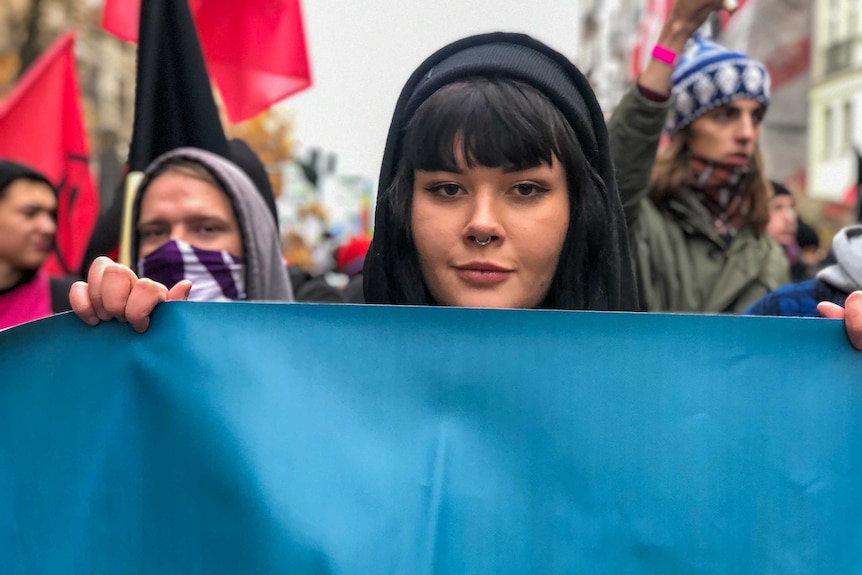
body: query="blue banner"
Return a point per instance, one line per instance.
(267, 438)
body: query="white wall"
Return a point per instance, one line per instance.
(363, 52)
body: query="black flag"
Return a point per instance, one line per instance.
(174, 105)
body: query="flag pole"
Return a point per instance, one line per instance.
(133, 180)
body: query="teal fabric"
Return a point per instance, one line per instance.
(267, 438)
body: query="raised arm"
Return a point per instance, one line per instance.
(636, 125)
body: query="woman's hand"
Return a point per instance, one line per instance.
(113, 291)
(851, 313)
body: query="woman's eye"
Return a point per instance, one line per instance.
(446, 190)
(528, 190)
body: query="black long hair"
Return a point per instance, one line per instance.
(504, 123)
(507, 101)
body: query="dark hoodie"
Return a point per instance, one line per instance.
(521, 58)
(265, 273)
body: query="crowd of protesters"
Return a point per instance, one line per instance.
(501, 186)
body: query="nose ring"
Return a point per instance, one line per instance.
(484, 242)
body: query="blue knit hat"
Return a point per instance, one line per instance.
(709, 76)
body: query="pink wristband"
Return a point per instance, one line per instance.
(665, 55)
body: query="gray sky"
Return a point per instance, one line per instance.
(362, 52)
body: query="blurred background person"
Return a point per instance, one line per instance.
(832, 284)
(787, 228)
(309, 285)
(28, 211)
(810, 254)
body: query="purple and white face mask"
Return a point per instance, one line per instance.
(215, 276)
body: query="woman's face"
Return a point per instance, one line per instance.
(487, 237)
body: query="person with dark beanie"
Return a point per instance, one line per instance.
(810, 255)
(28, 205)
(497, 188)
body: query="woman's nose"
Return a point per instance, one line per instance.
(484, 224)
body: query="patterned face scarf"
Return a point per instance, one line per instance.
(215, 276)
(717, 187)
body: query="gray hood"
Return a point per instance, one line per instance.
(266, 276)
(845, 275)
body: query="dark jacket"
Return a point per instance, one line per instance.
(798, 299)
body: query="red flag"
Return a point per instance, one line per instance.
(41, 125)
(255, 50)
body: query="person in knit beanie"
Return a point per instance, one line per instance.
(497, 187)
(698, 209)
(833, 284)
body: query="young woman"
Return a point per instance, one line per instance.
(497, 188)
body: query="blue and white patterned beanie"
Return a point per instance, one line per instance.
(709, 76)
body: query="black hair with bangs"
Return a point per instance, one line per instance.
(500, 122)
(495, 123)
(504, 100)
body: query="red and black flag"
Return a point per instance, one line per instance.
(41, 125)
(255, 50)
(174, 107)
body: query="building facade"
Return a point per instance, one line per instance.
(835, 100)
(609, 30)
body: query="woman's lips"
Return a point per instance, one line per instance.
(482, 273)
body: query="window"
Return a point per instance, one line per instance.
(827, 132)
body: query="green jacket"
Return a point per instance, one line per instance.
(683, 264)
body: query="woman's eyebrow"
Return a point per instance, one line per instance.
(457, 170)
(512, 169)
